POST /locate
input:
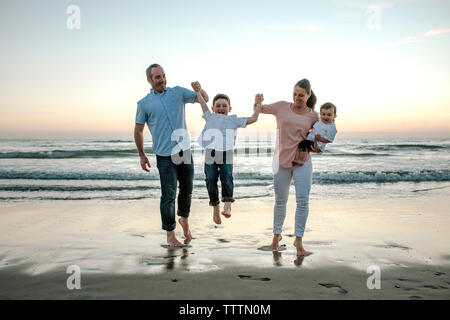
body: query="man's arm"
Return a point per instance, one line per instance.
(139, 140)
(200, 97)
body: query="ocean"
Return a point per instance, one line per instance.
(93, 169)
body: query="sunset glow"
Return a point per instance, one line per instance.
(384, 65)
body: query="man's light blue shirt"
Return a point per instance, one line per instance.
(165, 116)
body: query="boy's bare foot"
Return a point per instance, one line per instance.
(301, 252)
(216, 214)
(276, 242)
(185, 225)
(172, 240)
(227, 210)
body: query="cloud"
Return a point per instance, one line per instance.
(380, 6)
(364, 4)
(350, 15)
(423, 36)
(299, 27)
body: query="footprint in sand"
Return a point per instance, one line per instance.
(136, 235)
(405, 288)
(392, 245)
(434, 287)
(266, 248)
(245, 277)
(409, 280)
(332, 285)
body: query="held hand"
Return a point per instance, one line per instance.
(317, 137)
(144, 163)
(196, 86)
(259, 98)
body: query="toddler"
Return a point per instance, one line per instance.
(323, 131)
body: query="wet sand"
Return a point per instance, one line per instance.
(243, 283)
(121, 251)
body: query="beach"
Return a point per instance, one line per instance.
(93, 92)
(120, 250)
(378, 211)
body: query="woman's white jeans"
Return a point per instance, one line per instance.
(282, 181)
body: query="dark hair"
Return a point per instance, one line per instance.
(148, 72)
(328, 105)
(304, 83)
(221, 96)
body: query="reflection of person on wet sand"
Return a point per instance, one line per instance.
(163, 111)
(169, 263)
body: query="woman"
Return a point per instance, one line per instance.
(294, 121)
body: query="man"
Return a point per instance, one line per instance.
(163, 111)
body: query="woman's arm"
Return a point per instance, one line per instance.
(266, 108)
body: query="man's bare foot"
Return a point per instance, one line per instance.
(172, 240)
(185, 225)
(276, 242)
(216, 214)
(301, 252)
(227, 210)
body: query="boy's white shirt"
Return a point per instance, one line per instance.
(325, 130)
(220, 131)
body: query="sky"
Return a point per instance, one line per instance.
(77, 68)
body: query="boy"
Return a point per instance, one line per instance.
(218, 138)
(324, 130)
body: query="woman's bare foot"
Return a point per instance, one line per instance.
(172, 240)
(276, 242)
(301, 252)
(216, 214)
(185, 225)
(227, 210)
